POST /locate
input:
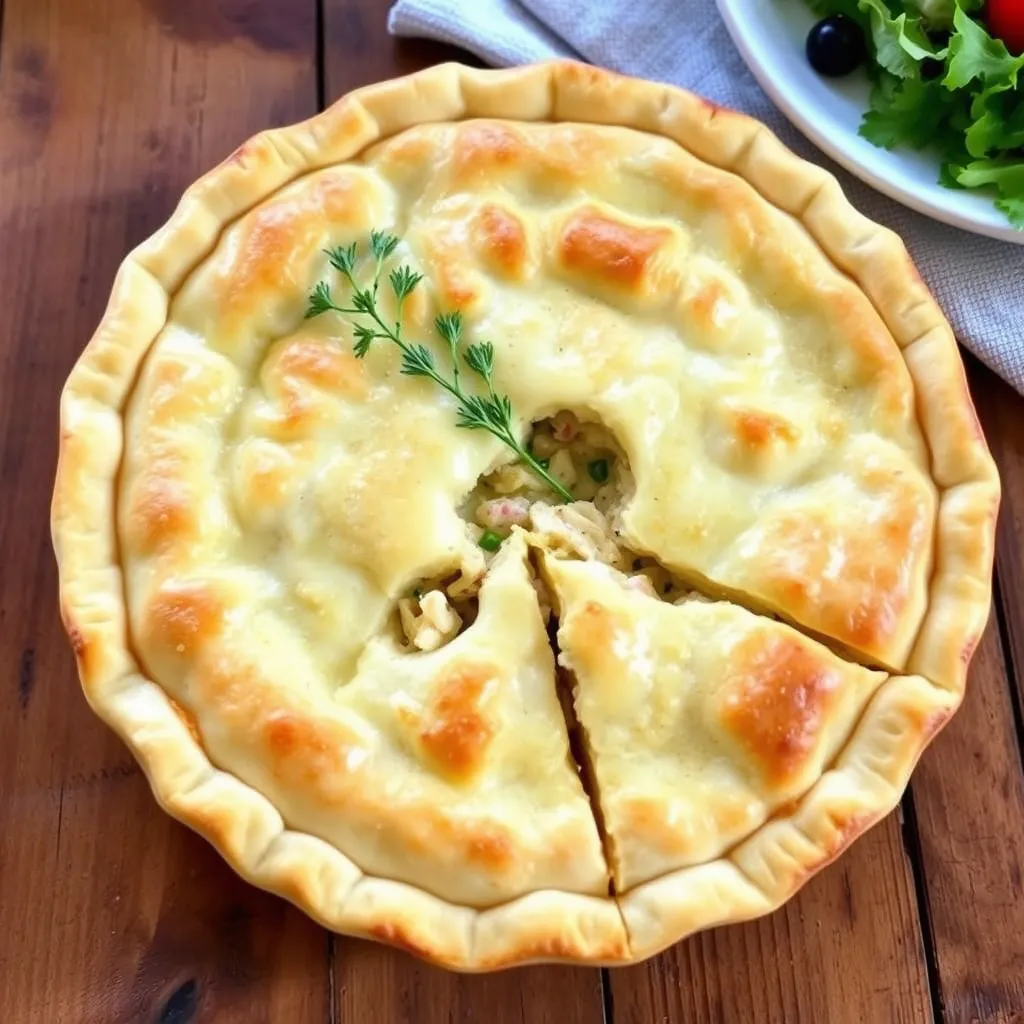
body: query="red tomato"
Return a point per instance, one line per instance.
(1006, 21)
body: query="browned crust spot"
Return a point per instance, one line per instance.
(77, 638)
(758, 430)
(776, 703)
(85, 650)
(865, 611)
(704, 307)
(180, 617)
(491, 849)
(482, 148)
(609, 251)
(278, 231)
(456, 731)
(846, 832)
(310, 360)
(297, 371)
(298, 748)
(502, 240)
(648, 818)
(589, 635)
(160, 508)
(561, 947)
(398, 935)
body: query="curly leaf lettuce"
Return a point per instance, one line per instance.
(1007, 176)
(938, 14)
(997, 122)
(1014, 210)
(963, 100)
(975, 55)
(905, 112)
(900, 43)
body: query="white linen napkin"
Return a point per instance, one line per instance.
(978, 281)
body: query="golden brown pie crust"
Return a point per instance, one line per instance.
(930, 654)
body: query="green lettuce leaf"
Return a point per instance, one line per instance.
(900, 42)
(903, 112)
(1014, 210)
(1006, 176)
(917, 113)
(974, 54)
(997, 121)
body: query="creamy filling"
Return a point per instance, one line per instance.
(585, 458)
(582, 456)
(435, 611)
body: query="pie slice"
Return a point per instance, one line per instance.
(616, 332)
(700, 719)
(447, 769)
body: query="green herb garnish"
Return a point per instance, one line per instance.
(490, 541)
(491, 412)
(598, 470)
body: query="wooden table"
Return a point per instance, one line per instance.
(109, 911)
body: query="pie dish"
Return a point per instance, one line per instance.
(653, 710)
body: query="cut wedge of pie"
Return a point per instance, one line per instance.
(318, 566)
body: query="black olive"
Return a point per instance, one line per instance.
(835, 46)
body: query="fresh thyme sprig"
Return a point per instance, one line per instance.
(491, 412)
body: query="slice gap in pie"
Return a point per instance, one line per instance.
(701, 720)
(296, 572)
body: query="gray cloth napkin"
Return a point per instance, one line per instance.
(979, 282)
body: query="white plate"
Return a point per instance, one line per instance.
(770, 35)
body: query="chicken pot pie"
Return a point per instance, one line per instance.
(573, 700)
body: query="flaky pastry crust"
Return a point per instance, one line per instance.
(923, 629)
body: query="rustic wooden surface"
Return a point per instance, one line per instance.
(110, 912)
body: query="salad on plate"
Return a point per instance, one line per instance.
(948, 75)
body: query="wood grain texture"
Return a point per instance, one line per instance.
(847, 948)
(111, 912)
(114, 914)
(358, 51)
(969, 796)
(1002, 417)
(381, 985)
(969, 789)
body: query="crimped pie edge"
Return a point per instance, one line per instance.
(764, 870)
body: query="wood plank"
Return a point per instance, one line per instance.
(111, 911)
(358, 50)
(969, 787)
(969, 795)
(1001, 411)
(387, 987)
(381, 984)
(848, 947)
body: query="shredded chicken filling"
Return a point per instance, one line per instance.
(585, 458)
